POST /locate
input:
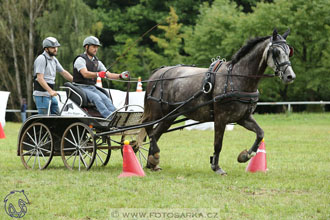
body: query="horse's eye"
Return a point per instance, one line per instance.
(276, 52)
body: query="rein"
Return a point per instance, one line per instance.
(197, 74)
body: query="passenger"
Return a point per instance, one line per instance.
(86, 69)
(45, 67)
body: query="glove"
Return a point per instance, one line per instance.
(124, 75)
(102, 74)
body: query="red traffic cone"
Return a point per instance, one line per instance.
(131, 165)
(139, 85)
(2, 133)
(258, 162)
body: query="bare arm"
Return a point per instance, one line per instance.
(67, 75)
(89, 74)
(44, 84)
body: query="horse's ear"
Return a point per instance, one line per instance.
(275, 34)
(286, 33)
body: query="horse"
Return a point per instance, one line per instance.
(226, 94)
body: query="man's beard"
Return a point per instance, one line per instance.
(52, 54)
(89, 54)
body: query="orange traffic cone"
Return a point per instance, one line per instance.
(139, 85)
(258, 162)
(99, 82)
(131, 165)
(2, 133)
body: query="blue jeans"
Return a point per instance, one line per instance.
(23, 116)
(99, 99)
(42, 103)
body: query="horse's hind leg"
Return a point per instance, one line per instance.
(154, 135)
(250, 124)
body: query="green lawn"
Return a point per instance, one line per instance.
(297, 185)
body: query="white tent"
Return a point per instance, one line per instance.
(3, 105)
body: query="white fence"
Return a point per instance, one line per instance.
(289, 104)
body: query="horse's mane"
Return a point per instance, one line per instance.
(246, 48)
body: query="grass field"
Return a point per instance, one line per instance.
(297, 185)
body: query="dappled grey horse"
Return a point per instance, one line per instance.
(225, 93)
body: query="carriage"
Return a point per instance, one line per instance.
(81, 138)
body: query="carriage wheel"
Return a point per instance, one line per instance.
(78, 147)
(37, 141)
(140, 144)
(103, 151)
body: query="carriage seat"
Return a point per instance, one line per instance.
(79, 97)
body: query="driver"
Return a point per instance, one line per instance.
(86, 68)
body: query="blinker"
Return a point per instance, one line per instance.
(291, 51)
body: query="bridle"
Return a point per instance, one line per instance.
(279, 70)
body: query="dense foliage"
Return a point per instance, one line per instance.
(181, 31)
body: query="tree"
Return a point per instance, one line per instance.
(207, 38)
(18, 26)
(169, 46)
(71, 22)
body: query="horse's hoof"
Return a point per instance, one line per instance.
(244, 156)
(155, 168)
(154, 159)
(221, 172)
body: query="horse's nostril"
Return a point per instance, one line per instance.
(289, 77)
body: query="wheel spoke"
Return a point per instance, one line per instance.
(103, 151)
(31, 138)
(86, 153)
(74, 160)
(73, 138)
(97, 154)
(70, 156)
(30, 157)
(143, 155)
(82, 136)
(40, 134)
(142, 148)
(39, 161)
(35, 158)
(48, 151)
(45, 143)
(29, 145)
(78, 136)
(43, 156)
(70, 148)
(82, 159)
(68, 140)
(88, 147)
(28, 152)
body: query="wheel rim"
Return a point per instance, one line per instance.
(78, 147)
(140, 144)
(37, 142)
(102, 153)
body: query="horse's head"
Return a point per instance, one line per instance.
(278, 57)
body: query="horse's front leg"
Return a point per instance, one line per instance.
(219, 129)
(154, 135)
(250, 124)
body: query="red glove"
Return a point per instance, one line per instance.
(124, 75)
(102, 74)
